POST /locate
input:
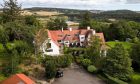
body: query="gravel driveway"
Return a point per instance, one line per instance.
(77, 75)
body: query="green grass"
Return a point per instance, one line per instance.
(135, 78)
(127, 45)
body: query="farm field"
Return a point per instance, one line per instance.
(40, 13)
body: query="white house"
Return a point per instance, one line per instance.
(58, 38)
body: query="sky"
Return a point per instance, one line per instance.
(83, 4)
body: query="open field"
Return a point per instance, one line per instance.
(40, 13)
(126, 45)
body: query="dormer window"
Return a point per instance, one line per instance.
(68, 35)
(76, 34)
(59, 41)
(60, 35)
(82, 37)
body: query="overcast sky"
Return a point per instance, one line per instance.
(83, 4)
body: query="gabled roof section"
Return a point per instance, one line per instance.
(18, 79)
(101, 36)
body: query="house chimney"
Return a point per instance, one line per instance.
(94, 32)
(70, 29)
(88, 27)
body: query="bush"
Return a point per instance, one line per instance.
(92, 69)
(86, 63)
(79, 59)
(50, 69)
(112, 80)
(60, 61)
(63, 61)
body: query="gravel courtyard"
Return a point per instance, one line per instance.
(77, 75)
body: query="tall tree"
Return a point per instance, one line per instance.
(118, 63)
(93, 50)
(56, 24)
(11, 10)
(135, 55)
(86, 21)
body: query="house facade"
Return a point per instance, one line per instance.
(57, 39)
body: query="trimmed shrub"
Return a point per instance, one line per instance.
(112, 80)
(64, 61)
(79, 59)
(50, 69)
(86, 63)
(92, 69)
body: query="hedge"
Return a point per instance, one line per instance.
(112, 80)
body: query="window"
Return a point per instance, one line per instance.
(48, 45)
(76, 34)
(82, 37)
(59, 41)
(60, 35)
(49, 50)
(66, 42)
(68, 35)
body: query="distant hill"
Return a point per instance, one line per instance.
(119, 12)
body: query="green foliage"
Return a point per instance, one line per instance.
(56, 24)
(64, 61)
(3, 35)
(86, 21)
(135, 55)
(92, 51)
(18, 31)
(118, 63)
(86, 62)
(11, 11)
(112, 80)
(135, 79)
(2, 77)
(32, 21)
(79, 59)
(92, 69)
(50, 69)
(122, 30)
(59, 61)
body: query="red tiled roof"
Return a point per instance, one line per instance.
(56, 35)
(18, 79)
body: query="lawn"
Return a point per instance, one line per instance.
(127, 45)
(135, 78)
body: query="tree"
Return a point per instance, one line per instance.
(93, 50)
(50, 69)
(118, 63)
(57, 24)
(121, 30)
(19, 31)
(11, 10)
(135, 55)
(86, 21)
(4, 37)
(32, 21)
